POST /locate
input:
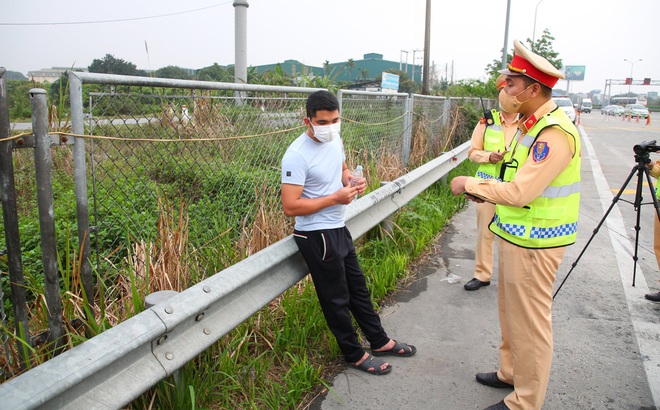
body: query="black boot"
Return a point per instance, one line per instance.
(655, 297)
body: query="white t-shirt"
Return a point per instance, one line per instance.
(318, 168)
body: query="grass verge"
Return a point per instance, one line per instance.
(284, 356)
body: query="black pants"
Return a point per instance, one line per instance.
(341, 289)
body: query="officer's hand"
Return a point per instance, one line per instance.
(496, 157)
(458, 185)
(650, 165)
(474, 198)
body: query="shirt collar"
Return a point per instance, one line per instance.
(515, 121)
(529, 122)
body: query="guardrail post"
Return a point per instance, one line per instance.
(388, 222)
(10, 215)
(80, 174)
(43, 165)
(152, 300)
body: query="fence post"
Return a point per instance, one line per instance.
(43, 165)
(10, 215)
(80, 173)
(407, 130)
(387, 224)
(446, 109)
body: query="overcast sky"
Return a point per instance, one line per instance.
(598, 34)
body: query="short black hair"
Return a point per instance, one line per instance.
(545, 90)
(321, 100)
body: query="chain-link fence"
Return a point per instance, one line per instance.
(182, 178)
(197, 165)
(197, 170)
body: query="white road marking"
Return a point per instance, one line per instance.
(646, 332)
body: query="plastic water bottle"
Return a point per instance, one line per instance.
(356, 175)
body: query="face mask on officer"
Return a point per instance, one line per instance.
(326, 133)
(510, 103)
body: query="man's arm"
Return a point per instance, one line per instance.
(294, 205)
(531, 179)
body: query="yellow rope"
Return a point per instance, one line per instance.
(429, 121)
(21, 135)
(374, 124)
(105, 137)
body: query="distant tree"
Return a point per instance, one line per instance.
(363, 75)
(471, 88)
(542, 47)
(214, 73)
(350, 64)
(277, 77)
(18, 97)
(59, 89)
(111, 65)
(493, 68)
(172, 71)
(15, 75)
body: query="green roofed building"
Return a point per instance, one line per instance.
(292, 68)
(369, 68)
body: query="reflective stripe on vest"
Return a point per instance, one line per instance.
(493, 142)
(550, 220)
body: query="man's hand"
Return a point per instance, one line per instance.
(346, 195)
(359, 183)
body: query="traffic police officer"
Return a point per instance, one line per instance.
(655, 173)
(491, 139)
(536, 215)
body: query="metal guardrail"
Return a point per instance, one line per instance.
(115, 367)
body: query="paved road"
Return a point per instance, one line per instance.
(607, 343)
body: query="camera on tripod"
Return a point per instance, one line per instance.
(646, 146)
(641, 168)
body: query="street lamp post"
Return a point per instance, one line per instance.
(536, 10)
(632, 64)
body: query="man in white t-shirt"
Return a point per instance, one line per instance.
(316, 188)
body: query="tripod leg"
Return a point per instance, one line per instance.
(638, 207)
(595, 231)
(656, 203)
(638, 204)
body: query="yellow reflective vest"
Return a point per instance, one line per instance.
(550, 220)
(493, 142)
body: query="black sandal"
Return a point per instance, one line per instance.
(408, 350)
(372, 365)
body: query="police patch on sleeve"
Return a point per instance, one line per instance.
(540, 151)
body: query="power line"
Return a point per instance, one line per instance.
(113, 21)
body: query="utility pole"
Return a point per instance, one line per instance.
(414, 64)
(536, 10)
(401, 61)
(632, 64)
(506, 34)
(240, 45)
(427, 48)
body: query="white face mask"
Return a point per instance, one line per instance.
(326, 133)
